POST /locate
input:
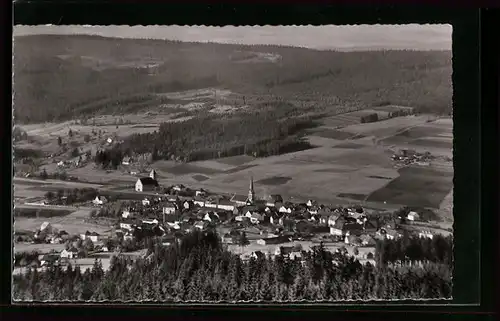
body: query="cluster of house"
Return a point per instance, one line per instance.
(163, 215)
(405, 157)
(46, 233)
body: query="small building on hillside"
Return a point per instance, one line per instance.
(146, 184)
(71, 253)
(100, 200)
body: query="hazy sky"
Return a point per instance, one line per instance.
(358, 37)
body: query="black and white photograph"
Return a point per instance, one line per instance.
(199, 164)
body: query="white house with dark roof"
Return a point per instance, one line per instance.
(145, 184)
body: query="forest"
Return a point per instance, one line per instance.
(65, 77)
(199, 269)
(258, 134)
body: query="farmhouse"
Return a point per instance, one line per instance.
(100, 200)
(145, 184)
(169, 209)
(72, 253)
(94, 236)
(413, 216)
(146, 202)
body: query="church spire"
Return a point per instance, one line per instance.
(251, 192)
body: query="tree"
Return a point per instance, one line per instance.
(44, 174)
(70, 133)
(86, 138)
(88, 245)
(75, 152)
(59, 141)
(243, 240)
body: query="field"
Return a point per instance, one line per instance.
(338, 170)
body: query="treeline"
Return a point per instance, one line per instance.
(70, 196)
(206, 137)
(109, 158)
(408, 249)
(199, 269)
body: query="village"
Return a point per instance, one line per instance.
(247, 225)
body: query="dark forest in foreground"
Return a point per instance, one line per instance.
(74, 76)
(200, 269)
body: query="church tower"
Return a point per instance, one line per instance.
(251, 192)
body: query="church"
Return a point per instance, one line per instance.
(249, 199)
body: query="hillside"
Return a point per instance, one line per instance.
(64, 77)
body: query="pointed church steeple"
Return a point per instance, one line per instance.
(251, 192)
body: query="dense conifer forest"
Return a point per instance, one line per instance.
(199, 269)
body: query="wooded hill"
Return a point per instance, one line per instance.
(67, 77)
